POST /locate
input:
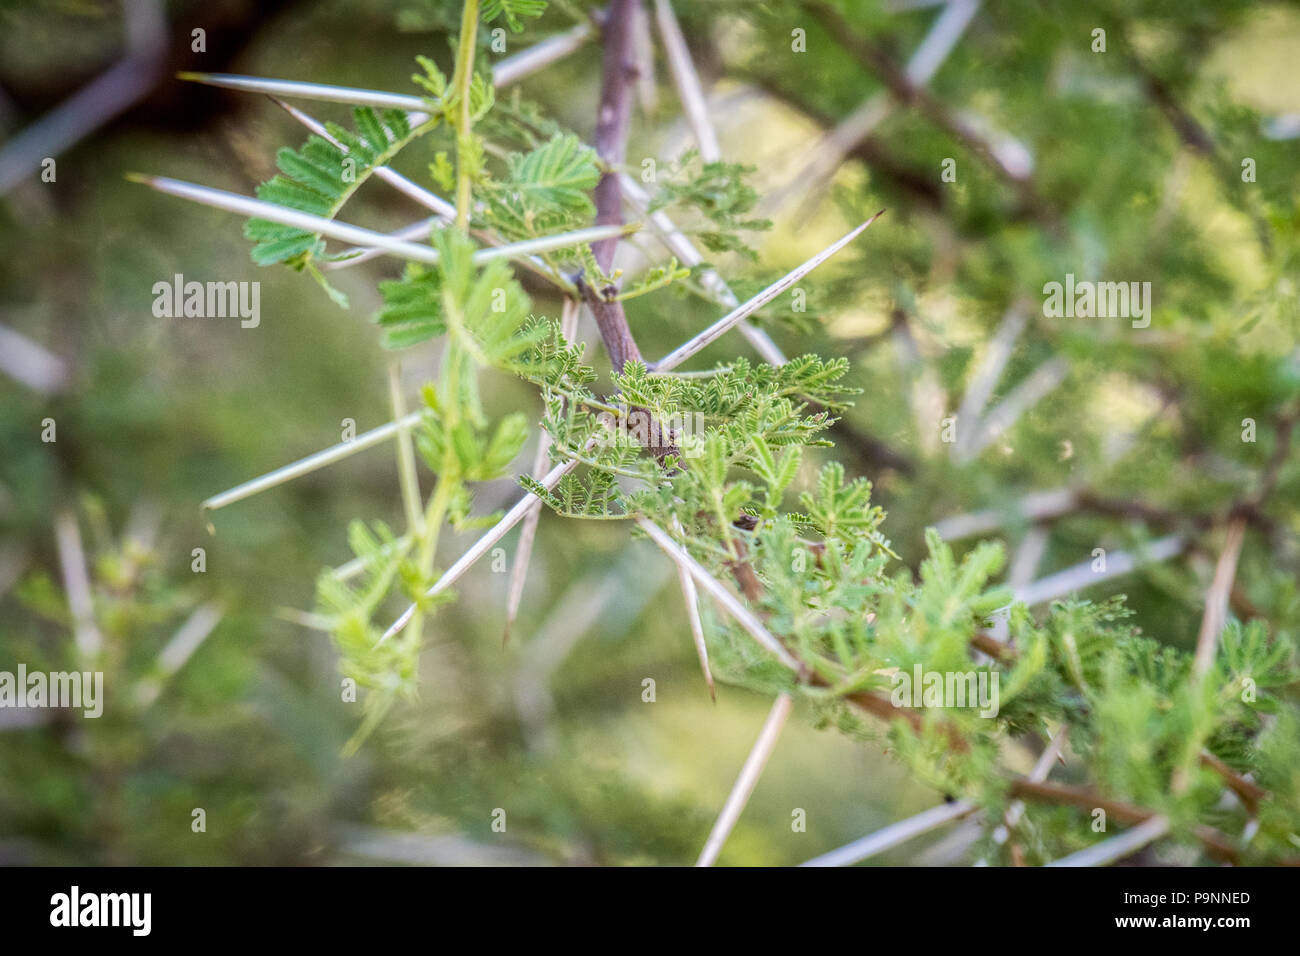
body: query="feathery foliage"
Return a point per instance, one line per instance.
(733, 459)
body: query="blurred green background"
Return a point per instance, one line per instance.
(154, 415)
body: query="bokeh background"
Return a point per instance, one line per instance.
(1100, 175)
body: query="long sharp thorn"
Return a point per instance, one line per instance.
(481, 546)
(891, 836)
(743, 311)
(1116, 848)
(309, 464)
(675, 241)
(76, 584)
(359, 254)
(510, 70)
(445, 211)
(257, 208)
(395, 179)
(687, 81)
(691, 596)
(540, 55)
(528, 533)
(692, 599)
(310, 91)
(729, 602)
(747, 780)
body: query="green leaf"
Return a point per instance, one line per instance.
(319, 178)
(412, 311)
(545, 190)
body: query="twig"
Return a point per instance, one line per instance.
(869, 150)
(1225, 571)
(613, 118)
(830, 151)
(1247, 790)
(1046, 760)
(1215, 843)
(748, 779)
(908, 85)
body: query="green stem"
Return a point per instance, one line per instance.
(448, 481)
(439, 504)
(461, 83)
(428, 546)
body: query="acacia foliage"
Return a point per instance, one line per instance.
(805, 544)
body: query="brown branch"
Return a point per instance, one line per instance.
(990, 645)
(1217, 844)
(1248, 791)
(876, 59)
(1191, 132)
(612, 121)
